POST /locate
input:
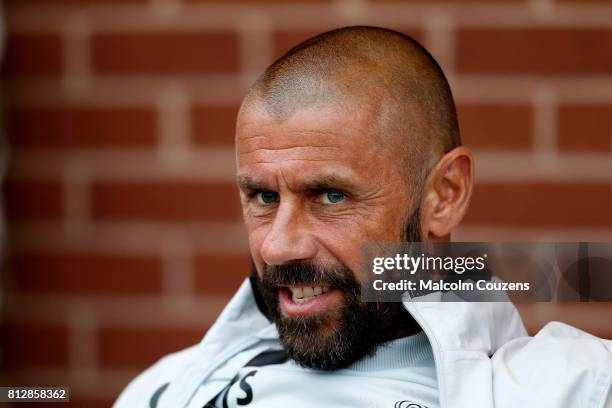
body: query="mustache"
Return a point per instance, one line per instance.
(304, 273)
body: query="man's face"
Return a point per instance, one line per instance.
(313, 189)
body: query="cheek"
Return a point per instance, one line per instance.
(343, 245)
(344, 241)
(256, 238)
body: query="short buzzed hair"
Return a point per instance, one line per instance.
(370, 65)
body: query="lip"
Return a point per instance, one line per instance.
(315, 305)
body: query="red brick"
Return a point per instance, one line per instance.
(214, 125)
(285, 40)
(128, 347)
(26, 345)
(82, 127)
(536, 315)
(585, 128)
(87, 274)
(542, 205)
(449, 1)
(33, 54)
(74, 3)
(165, 53)
(34, 199)
(166, 201)
(496, 126)
(253, 2)
(534, 51)
(220, 274)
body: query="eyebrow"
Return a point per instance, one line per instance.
(324, 182)
(248, 184)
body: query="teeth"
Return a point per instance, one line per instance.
(298, 293)
(308, 292)
(305, 293)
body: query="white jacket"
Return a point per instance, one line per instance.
(482, 353)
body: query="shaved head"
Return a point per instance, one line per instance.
(378, 72)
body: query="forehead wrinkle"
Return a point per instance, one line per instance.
(261, 137)
(289, 160)
(279, 149)
(258, 134)
(357, 135)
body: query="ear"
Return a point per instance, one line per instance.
(447, 193)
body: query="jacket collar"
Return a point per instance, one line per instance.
(463, 335)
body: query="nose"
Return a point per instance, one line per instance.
(288, 239)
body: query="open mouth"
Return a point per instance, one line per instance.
(305, 293)
(307, 300)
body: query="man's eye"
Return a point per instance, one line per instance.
(332, 197)
(266, 197)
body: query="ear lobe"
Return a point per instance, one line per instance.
(448, 190)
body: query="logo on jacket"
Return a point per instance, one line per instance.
(407, 404)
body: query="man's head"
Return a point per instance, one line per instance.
(350, 137)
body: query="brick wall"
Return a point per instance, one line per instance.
(125, 236)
